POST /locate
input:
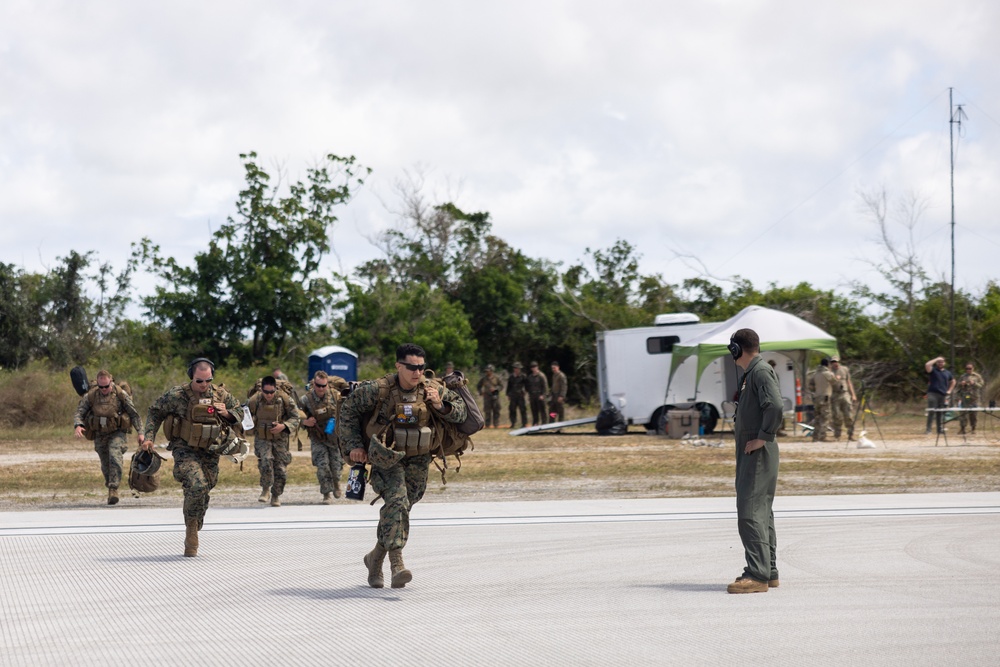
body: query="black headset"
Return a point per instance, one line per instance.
(195, 363)
(734, 348)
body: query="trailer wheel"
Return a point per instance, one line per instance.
(659, 421)
(709, 419)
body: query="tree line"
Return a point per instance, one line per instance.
(257, 294)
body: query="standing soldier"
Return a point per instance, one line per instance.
(199, 420)
(821, 384)
(404, 409)
(758, 419)
(970, 389)
(322, 407)
(275, 415)
(104, 415)
(515, 395)
(557, 402)
(537, 386)
(489, 388)
(843, 400)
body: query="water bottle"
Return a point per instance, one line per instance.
(330, 425)
(356, 482)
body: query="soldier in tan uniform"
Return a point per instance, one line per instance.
(821, 384)
(104, 415)
(557, 399)
(843, 400)
(489, 388)
(970, 390)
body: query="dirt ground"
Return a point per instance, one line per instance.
(573, 464)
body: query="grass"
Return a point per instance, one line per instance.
(45, 466)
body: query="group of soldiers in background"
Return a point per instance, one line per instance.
(546, 405)
(833, 399)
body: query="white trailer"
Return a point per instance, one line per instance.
(633, 372)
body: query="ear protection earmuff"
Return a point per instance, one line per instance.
(734, 348)
(197, 361)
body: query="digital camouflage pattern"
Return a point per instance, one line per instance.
(109, 446)
(841, 404)
(489, 388)
(970, 390)
(324, 447)
(400, 481)
(197, 470)
(273, 456)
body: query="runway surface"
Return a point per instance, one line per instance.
(865, 580)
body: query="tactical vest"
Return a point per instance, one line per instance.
(201, 427)
(106, 414)
(265, 416)
(408, 415)
(328, 408)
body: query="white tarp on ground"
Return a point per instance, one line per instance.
(778, 331)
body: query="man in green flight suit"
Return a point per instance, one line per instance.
(758, 418)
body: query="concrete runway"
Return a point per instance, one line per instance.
(865, 580)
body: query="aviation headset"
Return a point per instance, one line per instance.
(195, 363)
(734, 347)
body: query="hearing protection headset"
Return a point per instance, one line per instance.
(734, 347)
(195, 363)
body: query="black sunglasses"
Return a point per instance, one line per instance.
(316, 384)
(103, 386)
(265, 391)
(412, 367)
(209, 380)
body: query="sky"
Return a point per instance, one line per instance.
(719, 138)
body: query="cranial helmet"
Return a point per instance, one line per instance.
(143, 474)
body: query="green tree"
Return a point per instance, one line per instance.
(258, 278)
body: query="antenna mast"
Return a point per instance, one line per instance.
(955, 117)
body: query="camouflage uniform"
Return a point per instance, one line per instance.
(109, 445)
(271, 450)
(325, 447)
(515, 397)
(400, 481)
(970, 389)
(538, 386)
(841, 402)
(560, 386)
(821, 383)
(196, 469)
(489, 388)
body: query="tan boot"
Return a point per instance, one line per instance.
(400, 575)
(112, 495)
(374, 561)
(191, 538)
(275, 500)
(327, 498)
(336, 488)
(748, 585)
(265, 495)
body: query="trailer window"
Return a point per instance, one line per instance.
(661, 344)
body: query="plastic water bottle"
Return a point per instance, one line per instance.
(330, 425)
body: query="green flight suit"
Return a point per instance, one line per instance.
(758, 417)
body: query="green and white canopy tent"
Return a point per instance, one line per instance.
(778, 331)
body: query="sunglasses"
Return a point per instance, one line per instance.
(265, 391)
(316, 384)
(208, 381)
(103, 386)
(412, 367)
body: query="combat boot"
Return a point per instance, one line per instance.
(112, 495)
(265, 495)
(327, 498)
(400, 575)
(336, 488)
(191, 538)
(748, 585)
(374, 561)
(275, 500)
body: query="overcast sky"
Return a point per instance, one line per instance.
(735, 132)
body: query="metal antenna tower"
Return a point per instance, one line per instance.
(956, 114)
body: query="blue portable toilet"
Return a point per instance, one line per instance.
(335, 360)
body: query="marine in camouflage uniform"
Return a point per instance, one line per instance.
(105, 415)
(560, 387)
(321, 406)
(515, 395)
(538, 386)
(970, 390)
(399, 479)
(275, 416)
(489, 388)
(182, 410)
(822, 383)
(843, 399)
